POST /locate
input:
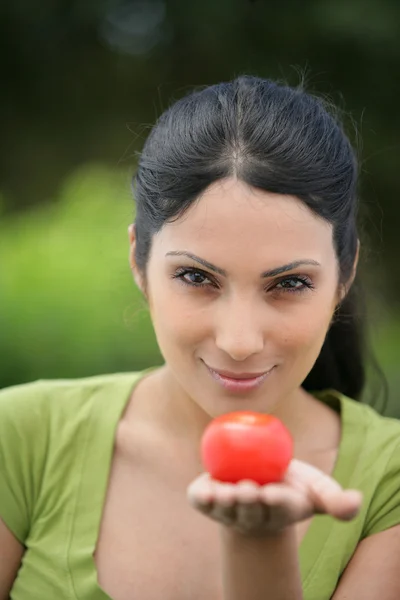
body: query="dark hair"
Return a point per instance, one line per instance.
(272, 137)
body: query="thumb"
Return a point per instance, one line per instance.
(330, 498)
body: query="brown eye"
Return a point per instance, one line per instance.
(294, 284)
(193, 277)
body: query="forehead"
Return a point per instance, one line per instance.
(230, 215)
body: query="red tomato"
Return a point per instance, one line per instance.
(246, 445)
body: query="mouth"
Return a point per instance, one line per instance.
(239, 382)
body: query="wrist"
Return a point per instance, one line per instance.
(257, 533)
(257, 567)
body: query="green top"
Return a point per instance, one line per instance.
(56, 447)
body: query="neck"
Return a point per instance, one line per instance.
(185, 419)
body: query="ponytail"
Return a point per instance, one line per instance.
(341, 362)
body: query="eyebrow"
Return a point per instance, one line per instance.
(271, 273)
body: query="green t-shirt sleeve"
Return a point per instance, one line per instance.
(22, 452)
(384, 510)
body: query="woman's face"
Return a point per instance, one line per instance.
(244, 284)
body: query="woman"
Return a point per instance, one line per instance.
(245, 246)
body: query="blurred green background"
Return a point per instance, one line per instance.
(82, 83)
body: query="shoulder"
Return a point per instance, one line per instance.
(44, 426)
(362, 422)
(369, 460)
(35, 417)
(379, 435)
(376, 437)
(28, 400)
(377, 472)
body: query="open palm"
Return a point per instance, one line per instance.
(261, 509)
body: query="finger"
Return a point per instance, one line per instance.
(287, 505)
(200, 493)
(329, 497)
(227, 508)
(225, 493)
(250, 511)
(301, 476)
(214, 499)
(247, 491)
(350, 505)
(224, 509)
(251, 518)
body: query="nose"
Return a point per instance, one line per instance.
(239, 330)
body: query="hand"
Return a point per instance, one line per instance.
(267, 509)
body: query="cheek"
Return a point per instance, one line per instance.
(175, 319)
(307, 332)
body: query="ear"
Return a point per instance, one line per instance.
(344, 288)
(132, 258)
(356, 261)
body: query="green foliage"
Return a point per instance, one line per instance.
(68, 303)
(385, 343)
(83, 84)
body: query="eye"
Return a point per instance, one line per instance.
(193, 277)
(294, 284)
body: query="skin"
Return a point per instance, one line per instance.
(241, 325)
(240, 322)
(246, 323)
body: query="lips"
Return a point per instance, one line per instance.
(239, 383)
(240, 376)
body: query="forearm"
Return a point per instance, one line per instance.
(260, 568)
